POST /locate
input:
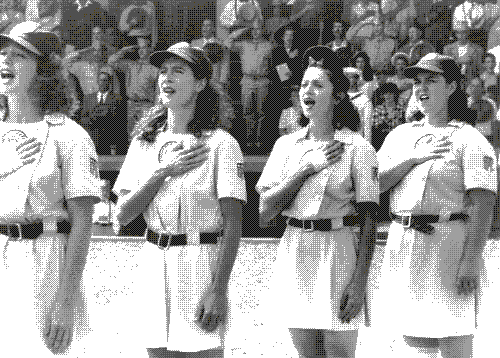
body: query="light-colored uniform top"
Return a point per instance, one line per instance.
(189, 203)
(438, 186)
(365, 109)
(330, 192)
(66, 168)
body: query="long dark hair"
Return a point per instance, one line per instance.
(368, 70)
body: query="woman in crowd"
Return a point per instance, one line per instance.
(400, 61)
(313, 176)
(290, 117)
(368, 82)
(388, 114)
(488, 74)
(185, 175)
(442, 173)
(51, 179)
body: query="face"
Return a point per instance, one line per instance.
(413, 34)
(400, 65)
(295, 97)
(177, 84)
(360, 63)
(432, 92)
(97, 36)
(104, 82)
(337, 29)
(489, 64)
(388, 97)
(474, 88)
(353, 80)
(143, 47)
(377, 30)
(17, 69)
(316, 92)
(288, 38)
(460, 35)
(207, 28)
(256, 32)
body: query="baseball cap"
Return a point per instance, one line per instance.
(32, 36)
(353, 71)
(436, 63)
(399, 55)
(194, 56)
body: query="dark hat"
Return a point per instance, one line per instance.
(399, 55)
(435, 63)
(194, 56)
(388, 87)
(33, 37)
(418, 51)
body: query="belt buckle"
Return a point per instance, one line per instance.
(403, 221)
(18, 229)
(311, 229)
(168, 242)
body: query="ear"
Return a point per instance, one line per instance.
(452, 87)
(200, 84)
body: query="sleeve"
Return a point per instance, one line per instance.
(365, 173)
(80, 166)
(367, 121)
(230, 170)
(127, 180)
(228, 16)
(478, 163)
(394, 143)
(270, 175)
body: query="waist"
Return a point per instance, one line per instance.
(324, 224)
(33, 230)
(422, 222)
(166, 240)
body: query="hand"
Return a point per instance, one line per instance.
(294, 53)
(211, 310)
(18, 155)
(429, 148)
(59, 324)
(329, 155)
(467, 276)
(181, 161)
(352, 301)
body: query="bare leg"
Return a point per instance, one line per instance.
(306, 341)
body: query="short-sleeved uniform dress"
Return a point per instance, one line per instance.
(175, 279)
(65, 168)
(419, 270)
(312, 269)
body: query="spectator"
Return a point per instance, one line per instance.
(290, 117)
(379, 48)
(368, 83)
(361, 102)
(484, 109)
(405, 85)
(488, 75)
(207, 33)
(255, 56)
(340, 44)
(140, 77)
(86, 64)
(387, 115)
(102, 117)
(414, 38)
(241, 13)
(79, 18)
(468, 55)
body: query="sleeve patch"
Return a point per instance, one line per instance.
(94, 168)
(375, 174)
(241, 169)
(488, 163)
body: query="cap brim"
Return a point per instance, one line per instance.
(159, 57)
(413, 71)
(23, 43)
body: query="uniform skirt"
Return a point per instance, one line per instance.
(417, 295)
(30, 275)
(178, 278)
(311, 271)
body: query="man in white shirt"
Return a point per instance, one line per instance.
(243, 13)
(361, 101)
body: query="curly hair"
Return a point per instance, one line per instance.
(49, 88)
(212, 110)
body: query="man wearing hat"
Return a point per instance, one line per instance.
(361, 101)
(102, 116)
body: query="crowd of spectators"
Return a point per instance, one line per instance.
(258, 67)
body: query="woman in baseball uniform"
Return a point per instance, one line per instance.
(188, 181)
(319, 177)
(50, 182)
(442, 174)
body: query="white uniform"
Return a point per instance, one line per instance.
(312, 269)
(66, 168)
(419, 270)
(188, 204)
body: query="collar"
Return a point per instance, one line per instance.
(55, 118)
(343, 135)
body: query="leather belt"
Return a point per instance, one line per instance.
(32, 231)
(165, 240)
(321, 224)
(422, 222)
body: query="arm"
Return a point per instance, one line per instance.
(120, 53)
(228, 249)
(80, 212)
(393, 170)
(368, 213)
(274, 200)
